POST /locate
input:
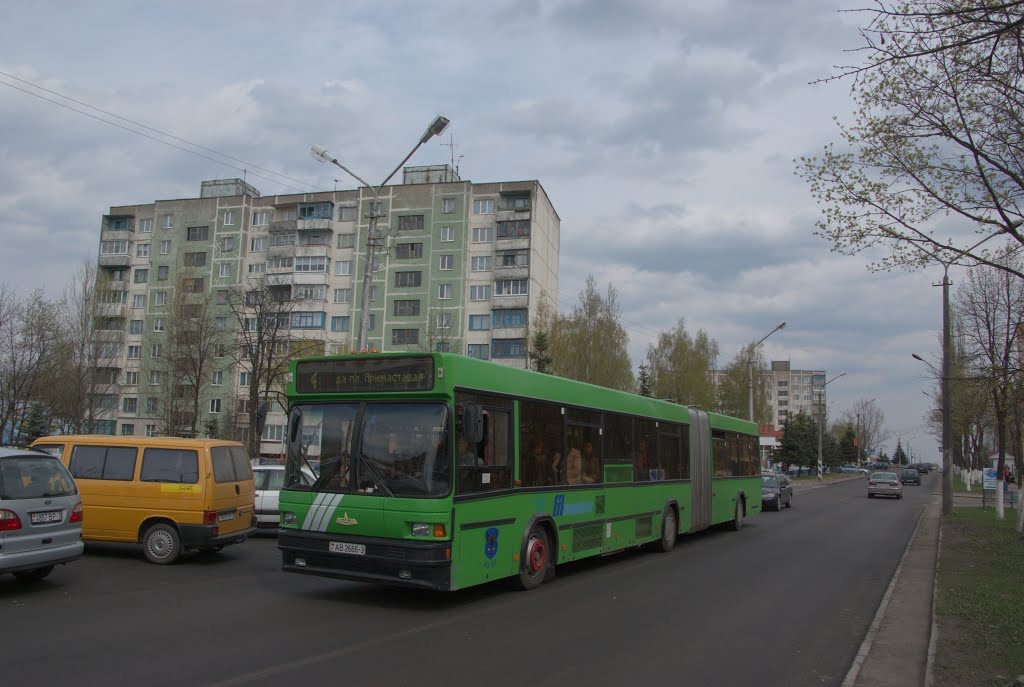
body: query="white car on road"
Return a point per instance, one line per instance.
(269, 480)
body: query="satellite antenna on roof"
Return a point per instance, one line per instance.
(452, 147)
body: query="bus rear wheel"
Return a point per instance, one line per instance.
(533, 568)
(669, 529)
(737, 520)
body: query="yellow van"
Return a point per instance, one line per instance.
(168, 494)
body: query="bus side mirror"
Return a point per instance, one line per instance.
(295, 421)
(472, 422)
(261, 418)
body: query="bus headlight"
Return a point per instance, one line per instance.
(420, 529)
(288, 518)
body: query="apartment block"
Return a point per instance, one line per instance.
(792, 391)
(463, 267)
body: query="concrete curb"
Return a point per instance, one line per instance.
(876, 623)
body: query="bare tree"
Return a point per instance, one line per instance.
(28, 340)
(937, 134)
(442, 331)
(868, 421)
(990, 304)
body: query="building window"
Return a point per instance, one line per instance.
(218, 350)
(373, 294)
(131, 378)
(309, 293)
(509, 318)
(162, 273)
(146, 226)
(444, 291)
(220, 323)
(308, 320)
(480, 293)
(225, 270)
(113, 248)
(154, 380)
(446, 262)
(408, 251)
(346, 240)
(257, 267)
(443, 320)
(401, 337)
(481, 263)
(347, 213)
(150, 430)
(260, 218)
(519, 202)
(195, 259)
(372, 324)
(483, 206)
(447, 205)
(407, 308)
(273, 433)
(228, 244)
(194, 285)
(258, 245)
(311, 263)
(158, 324)
(511, 287)
(142, 250)
(167, 221)
(129, 404)
(217, 378)
(479, 322)
(135, 327)
(481, 351)
(316, 211)
(134, 352)
(244, 379)
(508, 348)
(342, 323)
(127, 430)
(514, 229)
(280, 263)
(155, 350)
(343, 295)
(198, 234)
(282, 240)
(410, 223)
(408, 278)
(514, 259)
(214, 405)
(229, 218)
(116, 297)
(161, 298)
(139, 300)
(483, 234)
(343, 268)
(447, 234)
(165, 247)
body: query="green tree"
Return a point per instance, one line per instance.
(540, 358)
(899, 456)
(680, 366)
(848, 446)
(799, 445)
(36, 424)
(643, 381)
(734, 386)
(590, 344)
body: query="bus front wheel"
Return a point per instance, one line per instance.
(737, 521)
(533, 568)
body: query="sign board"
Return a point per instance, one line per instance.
(363, 375)
(990, 477)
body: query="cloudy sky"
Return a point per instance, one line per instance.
(663, 131)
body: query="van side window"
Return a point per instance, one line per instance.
(230, 464)
(173, 465)
(103, 462)
(243, 467)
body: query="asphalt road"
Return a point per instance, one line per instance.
(786, 601)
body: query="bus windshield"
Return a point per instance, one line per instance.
(386, 449)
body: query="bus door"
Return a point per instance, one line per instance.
(700, 470)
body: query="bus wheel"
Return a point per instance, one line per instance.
(737, 519)
(669, 529)
(534, 567)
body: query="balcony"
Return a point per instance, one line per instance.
(284, 269)
(109, 335)
(509, 302)
(283, 225)
(514, 243)
(503, 215)
(118, 260)
(111, 310)
(314, 224)
(309, 278)
(313, 249)
(511, 272)
(279, 279)
(508, 332)
(283, 251)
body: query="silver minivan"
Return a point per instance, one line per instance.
(40, 514)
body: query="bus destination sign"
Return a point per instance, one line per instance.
(364, 375)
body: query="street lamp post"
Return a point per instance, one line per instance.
(373, 238)
(821, 416)
(750, 371)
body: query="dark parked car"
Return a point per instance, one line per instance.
(910, 476)
(776, 492)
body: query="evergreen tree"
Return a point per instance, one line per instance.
(899, 456)
(36, 424)
(848, 447)
(540, 355)
(644, 381)
(799, 444)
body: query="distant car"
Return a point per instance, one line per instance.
(910, 476)
(854, 469)
(884, 484)
(776, 492)
(921, 468)
(40, 514)
(269, 480)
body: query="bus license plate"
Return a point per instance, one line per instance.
(221, 517)
(49, 516)
(344, 547)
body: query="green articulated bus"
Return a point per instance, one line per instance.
(440, 471)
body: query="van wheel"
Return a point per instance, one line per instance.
(34, 575)
(737, 519)
(533, 569)
(161, 544)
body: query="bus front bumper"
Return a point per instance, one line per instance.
(426, 565)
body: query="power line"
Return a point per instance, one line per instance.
(153, 138)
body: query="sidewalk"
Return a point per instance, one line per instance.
(896, 648)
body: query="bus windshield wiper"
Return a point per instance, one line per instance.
(377, 479)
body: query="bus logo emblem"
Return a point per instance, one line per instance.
(347, 521)
(559, 505)
(491, 542)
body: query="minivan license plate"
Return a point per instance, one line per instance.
(49, 516)
(344, 547)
